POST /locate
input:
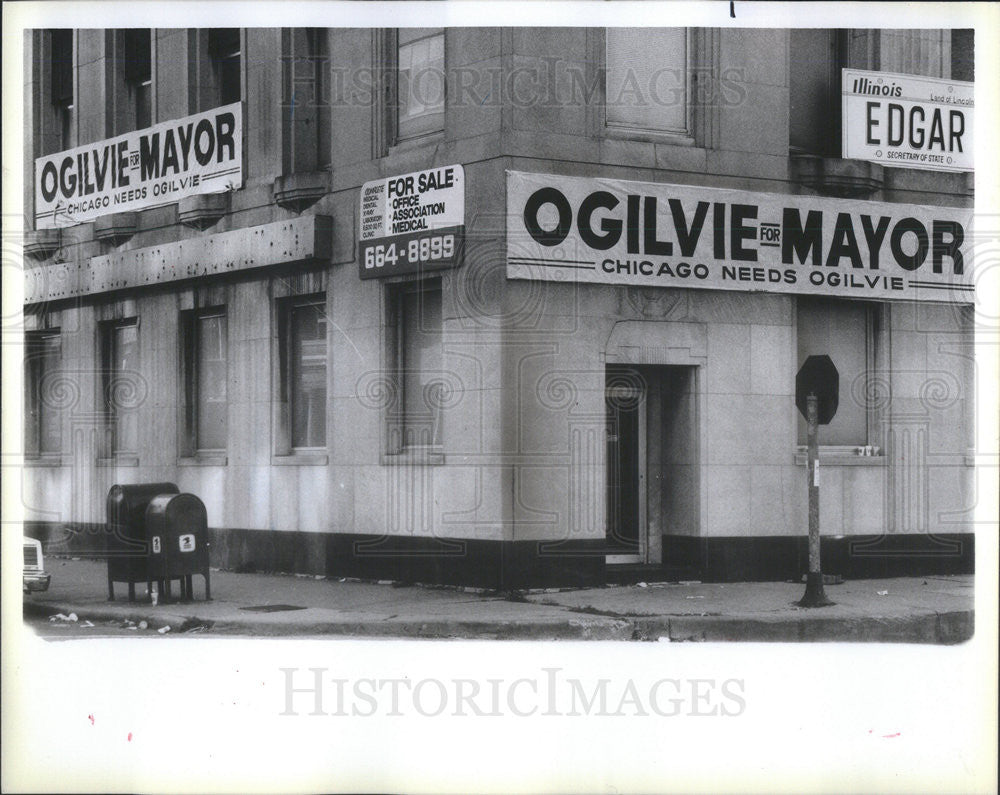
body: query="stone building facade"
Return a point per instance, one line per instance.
(477, 423)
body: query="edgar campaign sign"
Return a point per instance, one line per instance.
(146, 168)
(611, 231)
(908, 121)
(412, 222)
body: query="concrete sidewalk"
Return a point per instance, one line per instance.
(934, 609)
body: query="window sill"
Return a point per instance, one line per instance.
(649, 136)
(119, 461)
(204, 460)
(46, 460)
(415, 456)
(842, 458)
(416, 142)
(300, 459)
(298, 191)
(835, 176)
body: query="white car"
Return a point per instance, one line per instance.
(35, 578)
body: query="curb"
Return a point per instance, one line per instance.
(571, 628)
(930, 628)
(947, 628)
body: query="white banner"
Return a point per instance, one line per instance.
(611, 231)
(907, 121)
(146, 168)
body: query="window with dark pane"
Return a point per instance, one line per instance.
(137, 68)
(815, 60)
(123, 385)
(308, 353)
(212, 360)
(416, 417)
(61, 65)
(225, 49)
(43, 430)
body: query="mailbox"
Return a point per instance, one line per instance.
(125, 540)
(177, 528)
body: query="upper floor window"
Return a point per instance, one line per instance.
(420, 83)
(815, 57)
(317, 48)
(43, 431)
(61, 69)
(963, 54)
(306, 69)
(225, 48)
(646, 83)
(135, 57)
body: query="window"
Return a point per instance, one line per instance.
(136, 67)
(205, 357)
(815, 59)
(306, 64)
(122, 386)
(420, 83)
(646, 83)
(303, 355)
(963, 55)
(225, 51)
(846, 332)
(416, 364)
(61, 63)
(43, 429)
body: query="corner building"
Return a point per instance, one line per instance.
(519, 415)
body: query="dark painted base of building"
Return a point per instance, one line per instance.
(773, 558)
(516, 565)
(499, 565)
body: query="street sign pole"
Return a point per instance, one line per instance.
(814, 596)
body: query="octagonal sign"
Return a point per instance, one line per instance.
(818, 376)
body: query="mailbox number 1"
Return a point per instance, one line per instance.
(186, 543)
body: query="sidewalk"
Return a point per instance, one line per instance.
(934, 609)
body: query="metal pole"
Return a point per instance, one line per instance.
(814, 596)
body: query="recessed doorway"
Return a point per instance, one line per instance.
(652, 460)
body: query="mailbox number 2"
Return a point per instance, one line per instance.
(186, 542)
(156, 545)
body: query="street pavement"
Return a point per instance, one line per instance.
(933, 609)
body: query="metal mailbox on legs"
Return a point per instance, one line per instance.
(177, 525)
(125, 539)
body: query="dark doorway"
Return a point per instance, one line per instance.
(652, 461)
(625, 402)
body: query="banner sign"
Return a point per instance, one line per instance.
(146, 168)
(412, 222)
(610, 231)
(907, 121)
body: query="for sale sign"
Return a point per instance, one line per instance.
(651, 234)
(412, 222)
(146, 168)
(908, 121)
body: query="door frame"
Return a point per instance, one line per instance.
(642, 497)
